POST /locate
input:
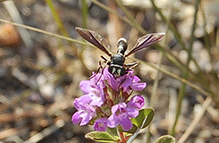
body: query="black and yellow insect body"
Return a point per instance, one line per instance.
(117, 66)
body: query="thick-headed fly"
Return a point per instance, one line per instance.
(117, 66)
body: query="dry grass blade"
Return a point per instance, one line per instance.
(45, 32)
(196, 120)
(10, 132)
(46, 132)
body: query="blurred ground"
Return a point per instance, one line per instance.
(39, 73)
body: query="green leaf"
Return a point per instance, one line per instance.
(101, 137)
(132, 131)
(165, 139)
(112, 131)
(144, 118)
(141, 121)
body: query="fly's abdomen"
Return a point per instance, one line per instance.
(116, 65)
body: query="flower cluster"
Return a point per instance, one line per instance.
(106, 101)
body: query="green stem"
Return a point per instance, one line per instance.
(84, 13)
(56, 17)
(130, 17)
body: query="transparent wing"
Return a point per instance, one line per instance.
(94, 39)
(145, 41)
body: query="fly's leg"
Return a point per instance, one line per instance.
(105, 60)
(130, 66)
(101, 68)
(97, 71)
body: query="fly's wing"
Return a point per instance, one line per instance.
(146, 41)
(94, 39)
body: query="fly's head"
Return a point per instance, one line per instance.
(122, 46)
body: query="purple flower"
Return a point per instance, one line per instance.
(93, 91)
(100, 124)
(97, 96)
(112, 81)
(121, 115)
(132, 83)
(136, 101)
(85, 111)
(102, 93)
(88, 86)
(97, 78)
(80, 102)
(136, 85)
(127, 82)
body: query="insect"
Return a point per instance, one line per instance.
(117, 66)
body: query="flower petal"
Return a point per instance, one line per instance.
(76, 119)
(100, 124)
(126, 124)
(136, 102)
(138, 86)
(85, 86)
(112, 121)
(86, 117)
(80, 102)
(132, 112)
(127, 82)
(136, 79)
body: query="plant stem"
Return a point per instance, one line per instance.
(123, 140)
(57, 18)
